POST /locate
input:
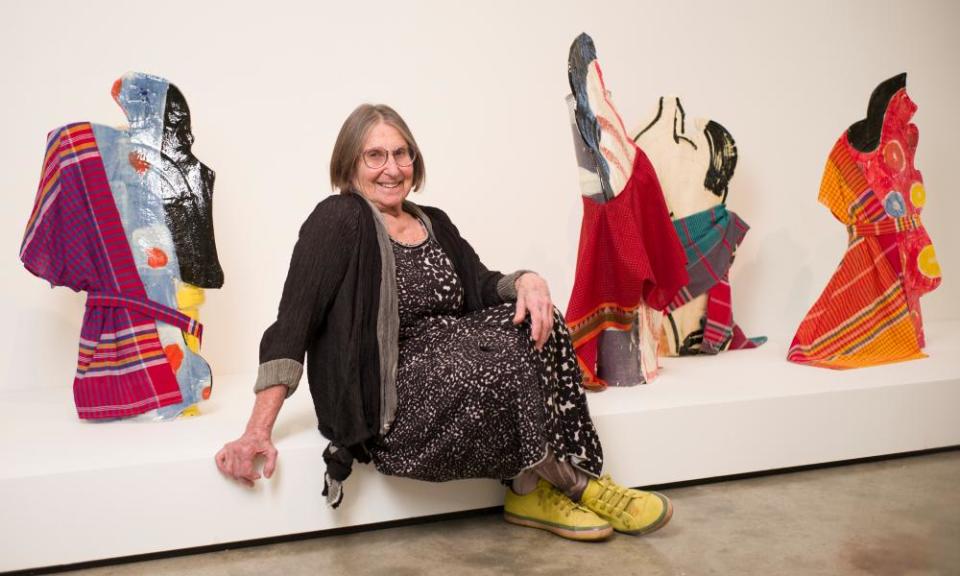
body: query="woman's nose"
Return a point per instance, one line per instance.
(391, 167)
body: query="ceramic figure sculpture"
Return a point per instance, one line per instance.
(126, 215)
(695, 160)
(869, 312)
(629, 259)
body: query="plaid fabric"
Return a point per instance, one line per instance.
(869, 312)
(720, 332)
(75, 238)
(148, 308)
(710, 238)
(861, 319)
(628, 255)
(885, 226)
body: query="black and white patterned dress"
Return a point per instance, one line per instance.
(475, 398)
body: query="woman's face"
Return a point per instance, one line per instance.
(387, 186)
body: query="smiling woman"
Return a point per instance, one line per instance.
(422, 360)
(383, 177)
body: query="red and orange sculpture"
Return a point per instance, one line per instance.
(869, 312)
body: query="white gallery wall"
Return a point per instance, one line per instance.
(482, 85)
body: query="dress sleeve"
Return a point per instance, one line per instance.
(320, 258)
(57, 239)
(842, 185)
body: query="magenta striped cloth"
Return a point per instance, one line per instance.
(75, 238)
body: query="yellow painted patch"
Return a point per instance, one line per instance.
(189, 300)
(927, 262)
(190, 411)
(189, 296)
(192, 342)
(918, 194)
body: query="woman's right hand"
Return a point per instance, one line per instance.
(237, 459)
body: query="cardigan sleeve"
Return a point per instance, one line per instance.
(320, 258)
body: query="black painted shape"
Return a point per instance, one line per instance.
(654, 121)
(582, 53)
(674, 331)
(679, 135)
(865, 134)
(692, 344)
(188, 197)
(723, 159)
(679, 124)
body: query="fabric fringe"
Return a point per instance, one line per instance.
(333, 490)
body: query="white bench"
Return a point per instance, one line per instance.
(73, 491)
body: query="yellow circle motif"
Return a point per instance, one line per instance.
(927, 262)
(918, 194)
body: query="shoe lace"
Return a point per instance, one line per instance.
(551, 496)
(615, 499)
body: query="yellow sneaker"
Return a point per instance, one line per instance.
(627, 510)
(549, 509)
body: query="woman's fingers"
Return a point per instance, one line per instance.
(271, 464)
(233, 464)
(536, 326)
(541, 322)
(521, 312)
(250, 472)
(547, 312)
(237, 460)
(221, 460)
(544, 322)
(533, 297)
(229, 462)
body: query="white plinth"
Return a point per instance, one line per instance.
(74, 491)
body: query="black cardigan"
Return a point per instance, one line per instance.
(330, 306)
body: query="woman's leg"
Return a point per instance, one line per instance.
(563, 476)
(535, 502)
(626, 509)
(525, 483)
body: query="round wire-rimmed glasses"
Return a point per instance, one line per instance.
(376, 158)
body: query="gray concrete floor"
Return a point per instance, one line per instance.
(890, 518)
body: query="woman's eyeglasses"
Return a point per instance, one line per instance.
(376, 158)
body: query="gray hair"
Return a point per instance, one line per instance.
(353, 133)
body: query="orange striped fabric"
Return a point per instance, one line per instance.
(864, 316)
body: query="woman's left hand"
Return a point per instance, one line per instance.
(533, 297)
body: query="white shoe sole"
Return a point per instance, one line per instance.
(582, 535)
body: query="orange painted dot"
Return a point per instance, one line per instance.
(174, 356)
(156, 258)
(893, 155)
(115, 90)
(138, 162)
(206, 392)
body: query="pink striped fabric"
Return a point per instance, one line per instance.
(75, 238)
